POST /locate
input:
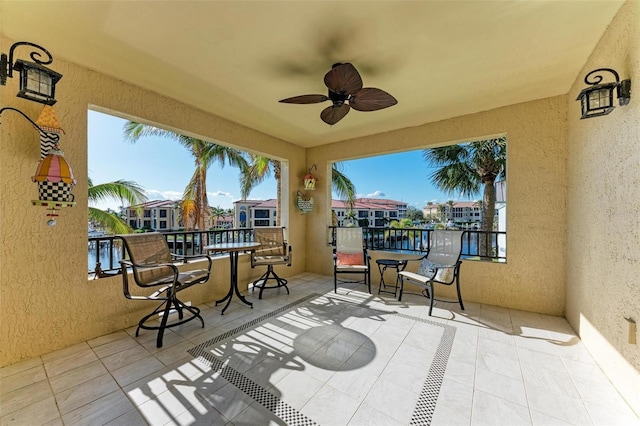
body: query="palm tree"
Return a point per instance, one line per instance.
(466, 168)
(479, 204)
(430, 207)
(450, 205)
(261, 167)
(127, 192)
(195, 204)
(441, 211)
(344, 188)
(217, 213)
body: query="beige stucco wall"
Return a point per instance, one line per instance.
(603, 231)
(533, 277)
(46, 301)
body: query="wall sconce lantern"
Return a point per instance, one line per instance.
(37, 82)
(310, 180)
(597, 100)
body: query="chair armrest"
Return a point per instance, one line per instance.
(416, 259)
(174, 271)
(441, 266)
(189, 256)
(185, 257)
(149, 265)
(367, 257)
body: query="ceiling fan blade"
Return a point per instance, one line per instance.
(331, 115)
(371, 99)
(343, 78)
(305, 99)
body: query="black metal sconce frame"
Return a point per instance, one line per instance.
(37, 82)
(597, 99)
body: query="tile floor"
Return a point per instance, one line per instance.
(376, 362)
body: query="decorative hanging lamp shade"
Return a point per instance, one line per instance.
(48, 120)
(55, 178)
(310, 182)
(50, 130)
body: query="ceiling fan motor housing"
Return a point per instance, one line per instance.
(338, 98)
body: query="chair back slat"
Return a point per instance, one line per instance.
(349, 240)
(445, 247)
(271, 240)
(149, 249)
(349, 247)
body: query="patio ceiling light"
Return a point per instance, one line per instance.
(597, 99)
(37, 82)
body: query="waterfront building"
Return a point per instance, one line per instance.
(159, 215)
(371, 212)
(256, 213)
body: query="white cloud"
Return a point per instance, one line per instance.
(221, 199)
(374, 194)
(221, 194)
(154, 194)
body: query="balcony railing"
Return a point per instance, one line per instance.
(105, 252)
(480, 245)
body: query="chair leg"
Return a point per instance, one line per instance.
(163, 322)
(263, 278)
(401, 289)
(270, 275)
(368, 280)
(459, 294)
(178, 307)
(335, 282)
(194, 310)
(164, 309)
(431, 298)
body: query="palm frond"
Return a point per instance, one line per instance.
(111, 223)
(258, 169)
(124, 191)
(133, 131)
(343, 186)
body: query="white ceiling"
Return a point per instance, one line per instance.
(236, 59)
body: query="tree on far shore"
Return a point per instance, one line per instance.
(195, 208)
(469, 168)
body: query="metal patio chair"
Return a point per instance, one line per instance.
(350, 257)
(440, 265)
(272, 251)
(152, 267)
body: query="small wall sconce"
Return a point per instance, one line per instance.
(310, 180)
(37, 82)
(598, 99)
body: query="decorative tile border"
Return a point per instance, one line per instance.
(425, 406)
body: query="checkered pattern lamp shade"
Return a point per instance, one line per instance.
(54, 177)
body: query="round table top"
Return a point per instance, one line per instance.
(390, 262)
(232, 246)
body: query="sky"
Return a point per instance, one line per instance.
(163, 168)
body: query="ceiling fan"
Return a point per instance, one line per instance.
(345, 92)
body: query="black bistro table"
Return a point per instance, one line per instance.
(233, 249)
(383, 264)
